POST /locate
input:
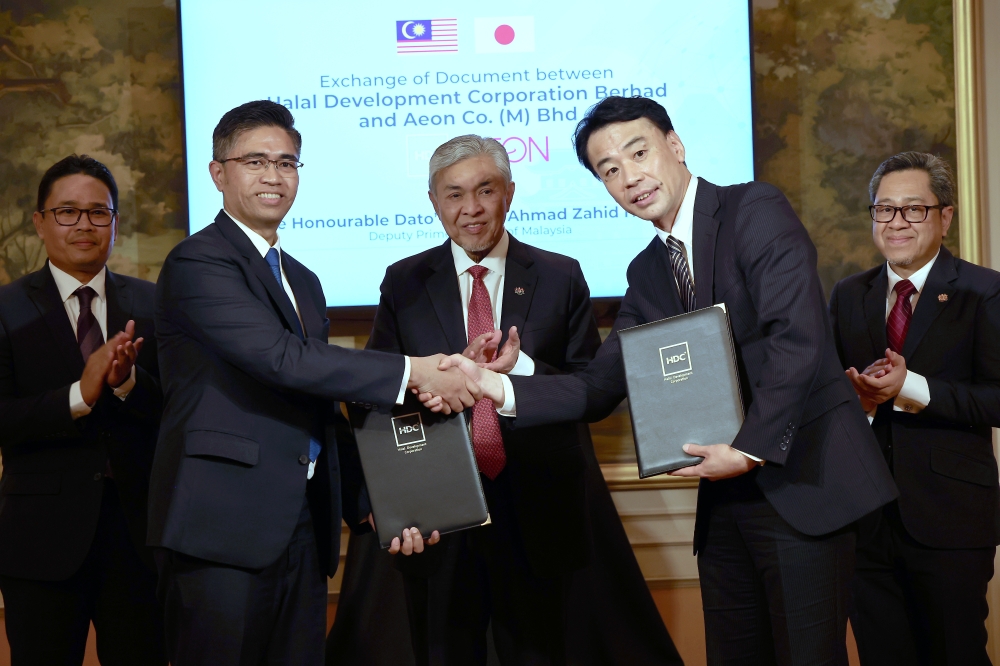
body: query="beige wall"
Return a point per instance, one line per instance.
(990, 183)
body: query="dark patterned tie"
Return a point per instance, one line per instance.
(88, 331)
(274, 261)
(487, 442)
(898, 322)
(682, 274)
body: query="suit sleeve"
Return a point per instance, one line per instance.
(205, 294)
(834, 304)
(975, 402)
(587, 395)
(36, 417)
(778, 262)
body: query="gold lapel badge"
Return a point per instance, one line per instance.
(942, 297)
(520, 291)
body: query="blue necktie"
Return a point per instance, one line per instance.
(274, 261)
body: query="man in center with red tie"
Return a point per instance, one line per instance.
(513, 578)
(922, 328)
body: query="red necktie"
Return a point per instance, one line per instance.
(898, 322)
(487, 442)
(88, 331)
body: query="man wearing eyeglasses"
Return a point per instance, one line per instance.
(79, 423)
(251, 475)
(923, 327)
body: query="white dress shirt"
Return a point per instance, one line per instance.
(915, 394)
(683, 229)
(67, 284)
(263, 246)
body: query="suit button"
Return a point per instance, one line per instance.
(98, 476)
(783, 447)
(303, 460)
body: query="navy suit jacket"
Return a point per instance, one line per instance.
(547, 298)
(50, 494)
(752, 253)
(942, 457)
(243, 395)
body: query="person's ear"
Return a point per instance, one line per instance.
(947, 214)
(218, 173)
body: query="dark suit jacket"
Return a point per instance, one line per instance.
(751, 253)
(420, 313)
(942, 457)
(50, 494)
(242, 397)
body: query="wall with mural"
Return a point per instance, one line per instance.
(840, 85)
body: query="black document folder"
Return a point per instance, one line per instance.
(420, 470)
(683, 387)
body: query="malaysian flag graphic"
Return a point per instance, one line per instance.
(427, 36)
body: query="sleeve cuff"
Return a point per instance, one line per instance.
(525, 366)
(122, 391)
(77, 407)
(406, 380)
(753, 458)
(914, 395)
(509, 406)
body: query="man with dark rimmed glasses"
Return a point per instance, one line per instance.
(80, 419)
(922, 328)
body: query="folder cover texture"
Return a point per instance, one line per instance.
(683, 387)
(420, 470)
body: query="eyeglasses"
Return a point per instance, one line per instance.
(257, 164)
(911, 214)
(67, 216)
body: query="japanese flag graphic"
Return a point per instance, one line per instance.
(505, 34)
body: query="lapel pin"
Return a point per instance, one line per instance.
(942, 297)
(520, 291)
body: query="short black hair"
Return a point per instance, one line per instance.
(250, 116)
(70, 166)
(616, 110)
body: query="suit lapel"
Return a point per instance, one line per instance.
(45, 295)
(309, 311)
(258, 267)
(518, 286)
(705, 229)
(874, 306)
(442, 289)
(929, 305)
(119, 299)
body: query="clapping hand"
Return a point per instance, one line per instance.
(483, 350)
(125, 354)
(880, 381)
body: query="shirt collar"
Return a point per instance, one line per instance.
(258, 241)
(683, 229)
(917, 279)
(495, 261)
(67, 284)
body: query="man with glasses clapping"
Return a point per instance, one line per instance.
(80, 406)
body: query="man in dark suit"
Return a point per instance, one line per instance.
(459, 296)
(774, 532)
(80, 417)
(248, 485)
(924, 326)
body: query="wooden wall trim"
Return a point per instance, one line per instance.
(967, 17)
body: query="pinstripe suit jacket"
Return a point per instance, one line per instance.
(824, 468)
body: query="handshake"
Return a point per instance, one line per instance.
(452, 383)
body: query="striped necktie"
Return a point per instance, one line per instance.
(682, 274)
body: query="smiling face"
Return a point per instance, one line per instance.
(642, 168)
(261, 200)
(909, 246)
(83, 249)
(471, 198)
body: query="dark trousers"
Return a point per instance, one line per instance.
(219, 615)
(771, 595)
(485, 579)
(918, 605)
(48, 621)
